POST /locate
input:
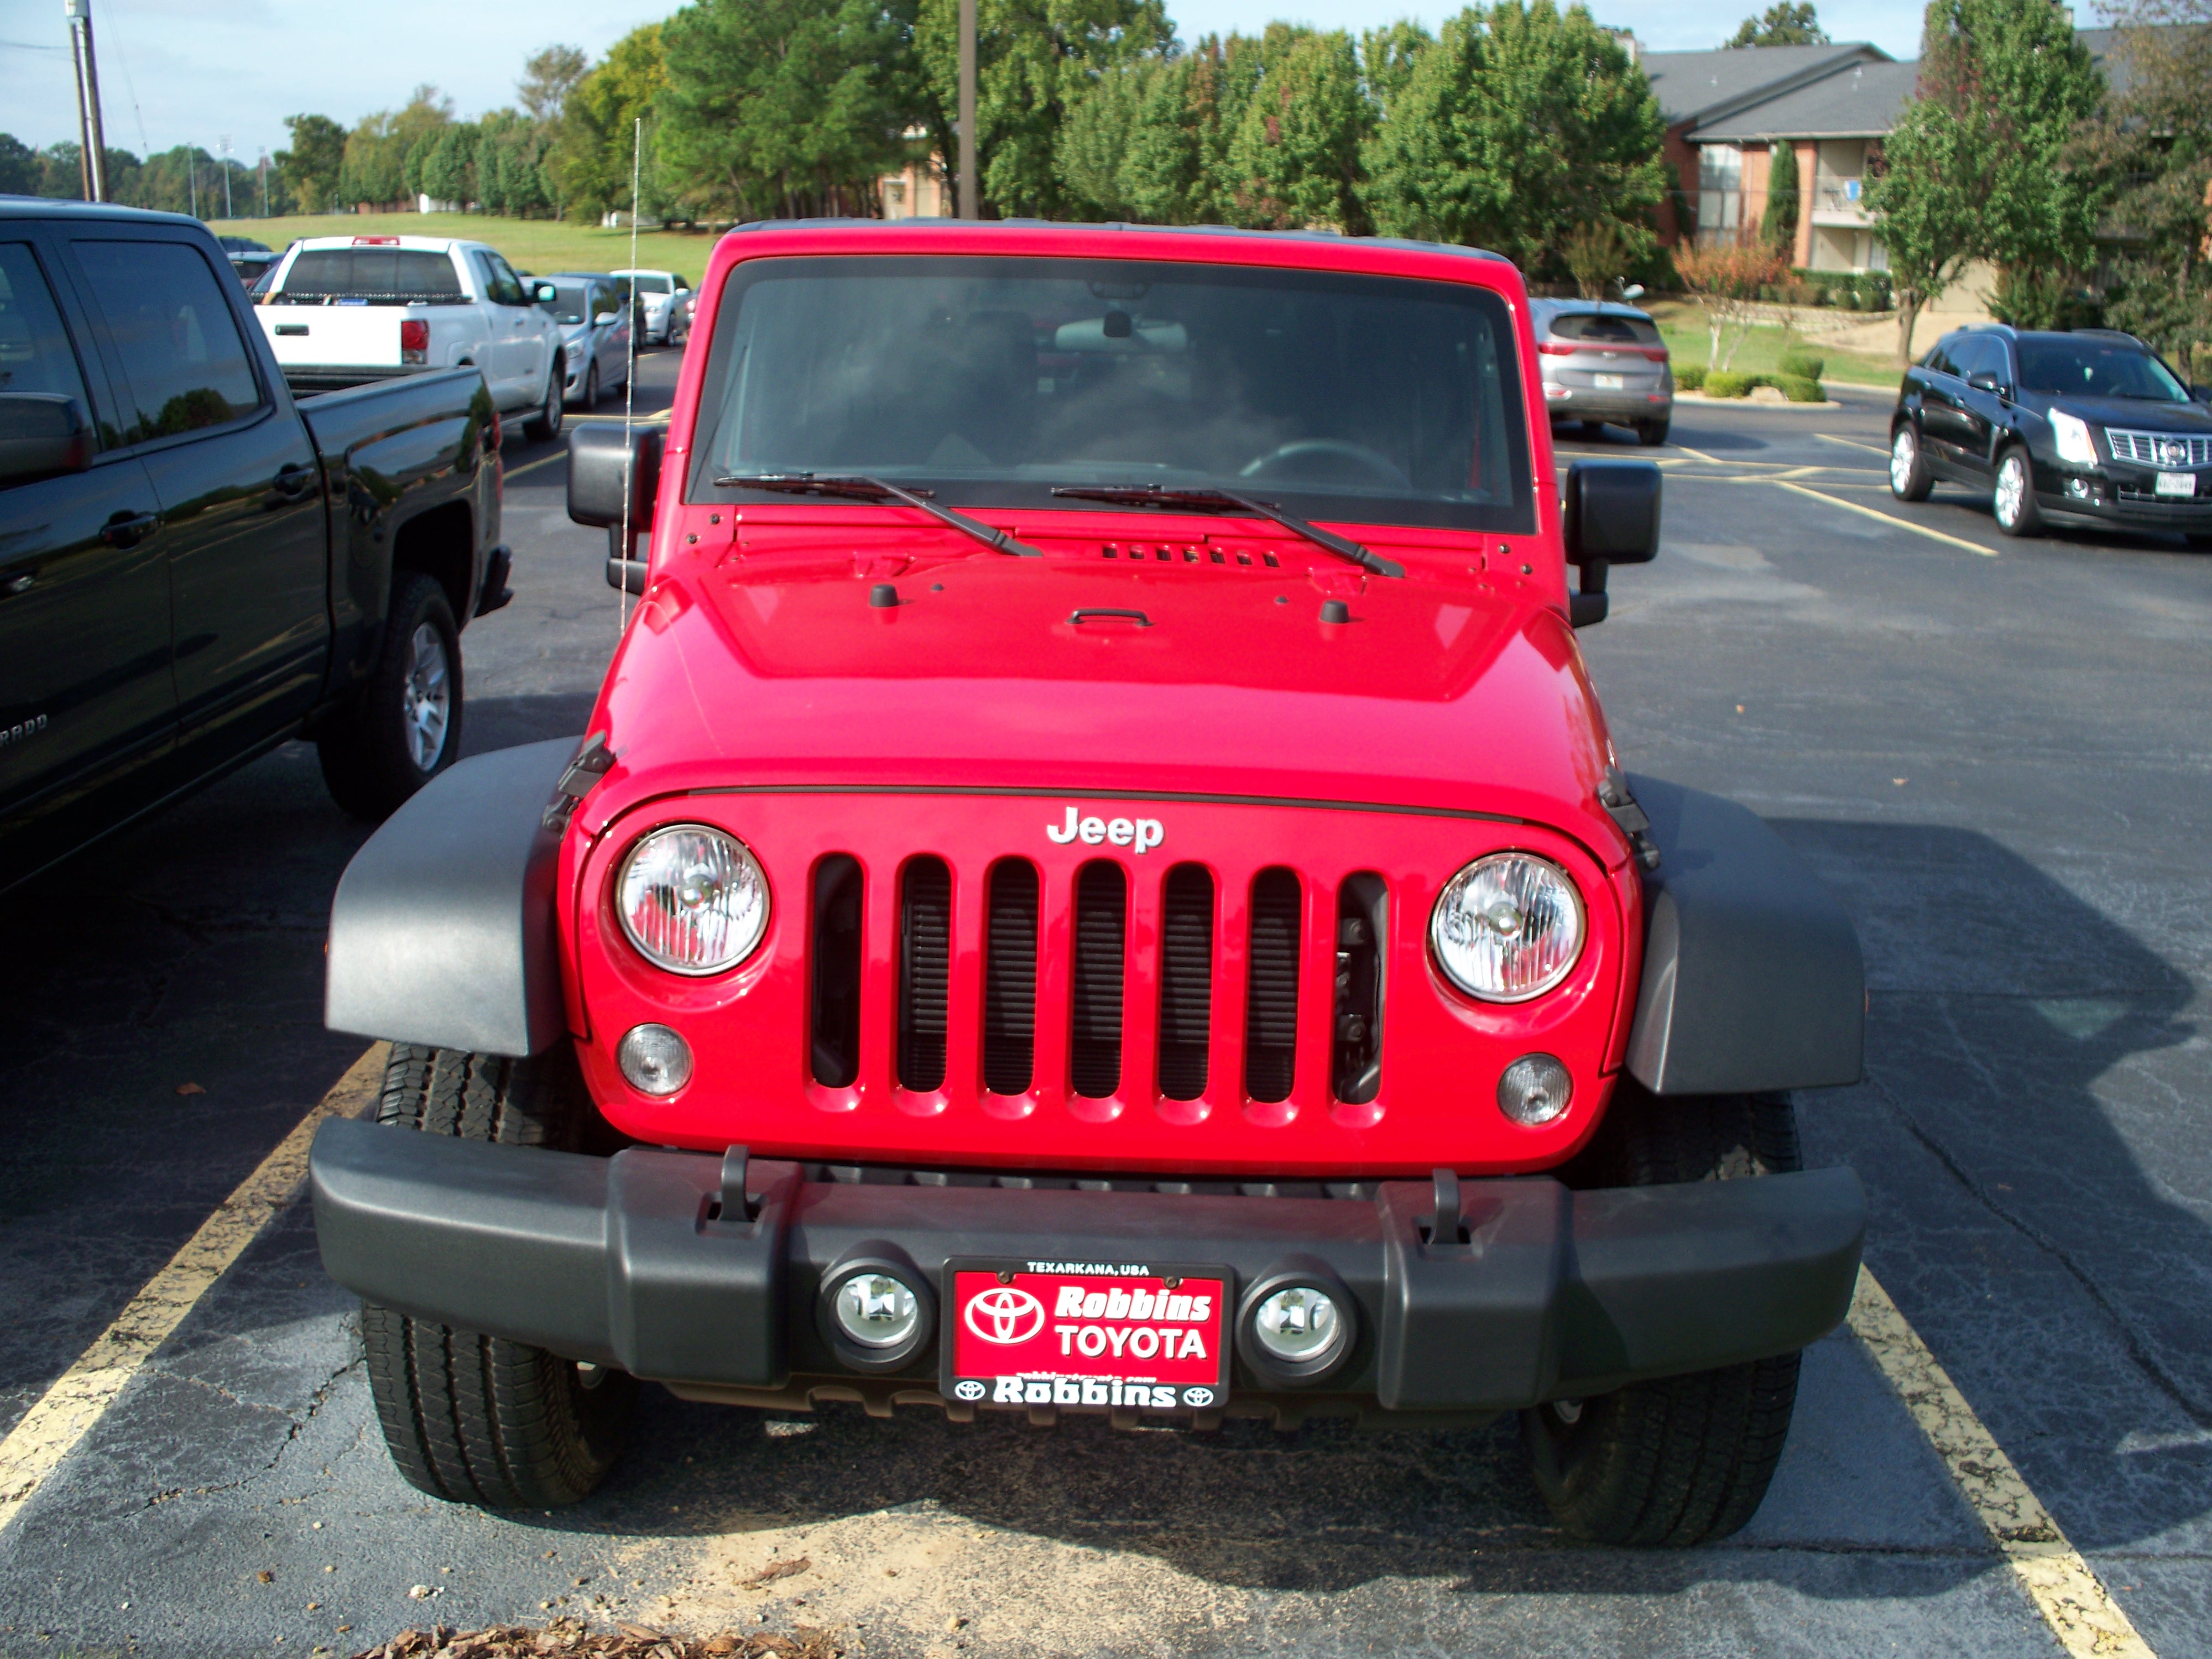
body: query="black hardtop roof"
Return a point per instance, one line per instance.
(2007, 332)
(57, 207)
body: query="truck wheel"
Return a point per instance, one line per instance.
(477, 1418)
(1685, 1459)
(1909, 477)
(404, 727)
(2013, 501)
(545, 425)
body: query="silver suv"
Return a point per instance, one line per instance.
(1603, 363)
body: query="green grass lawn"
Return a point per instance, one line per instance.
(530, 245)
(1683, 328)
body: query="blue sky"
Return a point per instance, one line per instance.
(177, 71)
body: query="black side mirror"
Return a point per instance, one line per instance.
(2201, 393)
(600, 461)
(1612, 517)
(41, 434)
(1983, 382)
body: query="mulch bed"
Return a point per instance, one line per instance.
(568, 1638)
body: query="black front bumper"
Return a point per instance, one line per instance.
(631, 1261)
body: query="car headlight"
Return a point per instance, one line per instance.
(1508, 927)
(2072, 434)
(692, 899)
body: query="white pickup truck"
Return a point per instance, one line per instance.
(343, 310)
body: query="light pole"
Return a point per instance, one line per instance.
(222, 148)
(967, 110)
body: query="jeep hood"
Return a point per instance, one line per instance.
(1078, 672)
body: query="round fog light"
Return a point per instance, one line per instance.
(877, 1310)
(654, 1059)
(1298, 1326)
(1535, 1089)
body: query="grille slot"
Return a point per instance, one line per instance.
(1356, 1032)
(1271, 1008)
(1186, 980)
(834, 1017)
(1010, 979)
(1102, 920)
(2144, 446)
(925, 972)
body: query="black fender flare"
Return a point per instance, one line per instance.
(1752, 979)
(443, 927)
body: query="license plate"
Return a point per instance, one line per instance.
(1086, 1335)
(1610, 382)
(2177, 483)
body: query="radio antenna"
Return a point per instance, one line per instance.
(629, 384)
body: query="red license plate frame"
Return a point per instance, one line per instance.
(1006, 1350)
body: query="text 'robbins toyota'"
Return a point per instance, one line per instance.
(1096, 881)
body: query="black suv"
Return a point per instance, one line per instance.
(2087, 427)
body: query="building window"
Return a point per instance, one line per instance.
(1720, 193)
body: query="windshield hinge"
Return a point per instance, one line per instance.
(578, 779)
(1620, 806)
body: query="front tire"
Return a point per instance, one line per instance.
(1685, 1459)
(1909, 477)
(2014, 499)
(545, 425)
(404, 726)
(476, 1418)
(1652, 434)
(591, 387)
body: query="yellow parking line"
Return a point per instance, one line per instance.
(1886, 518)
(61, 1418)
(1870, 448)
(532, 467)
(2082, 1614)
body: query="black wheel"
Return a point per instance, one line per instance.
(591, 387)
(477, 1418)
(1685, 1459)
(545, 425)
(404, 727)
(1593, 429)
(1909, 477)
(2200, 539)
(2014, 499)
(1652, 434)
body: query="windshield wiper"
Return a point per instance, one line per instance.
(1228, 501)
(860, 488)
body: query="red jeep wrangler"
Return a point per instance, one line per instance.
(1096, 881)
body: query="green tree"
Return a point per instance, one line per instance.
(549, 75)
(1785, 23)
(449, 171)
(1294, 156)
(1980, 166)
(1035, 59)
(374, 167)
(1518, 124)
(512, 154)
(783, 108)
(19, 167)
(2155, 142)
(311, 166)
(597, 129)
(1777, 224)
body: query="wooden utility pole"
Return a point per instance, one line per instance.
(79, 12)
(83, 119)
(967, 197)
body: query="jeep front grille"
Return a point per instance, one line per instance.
(1175, 965)
(2170, 449)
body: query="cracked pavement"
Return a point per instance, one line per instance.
(1999, 764)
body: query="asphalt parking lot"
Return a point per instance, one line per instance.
(1996, 752)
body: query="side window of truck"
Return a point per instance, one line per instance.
(184, 367)
(502, 285)
(35, 357)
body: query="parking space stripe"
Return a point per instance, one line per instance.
(2080, 1612)
(61, 1418)
(1853, 443)
(514, 472)
(1886, 518)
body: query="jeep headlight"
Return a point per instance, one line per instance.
(1508, 927)
(2071, 433)
(692, 899)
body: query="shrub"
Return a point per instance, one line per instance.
(1801, 388)
(1689, 377)
(1725, 385)
(1802, 363)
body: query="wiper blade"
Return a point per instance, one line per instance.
(1228, 501)
(860, 488)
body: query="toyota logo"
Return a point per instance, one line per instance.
(1006, 1315)
(969, 1388)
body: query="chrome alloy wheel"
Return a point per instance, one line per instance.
(2012, 490)
(427, 702)
(1903, 455)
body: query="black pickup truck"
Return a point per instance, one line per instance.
(195, 567)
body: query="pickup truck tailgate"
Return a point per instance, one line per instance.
(344, 344)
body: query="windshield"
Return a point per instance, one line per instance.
(990, 381)
(568, 302)
(2096, 369)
